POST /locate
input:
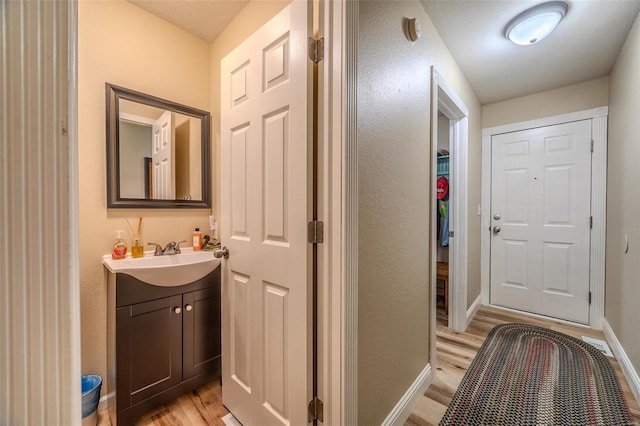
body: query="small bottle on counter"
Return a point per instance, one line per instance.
(119, 248)
(197, 239)
(137, 250)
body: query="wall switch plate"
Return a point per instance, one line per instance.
(479, 209)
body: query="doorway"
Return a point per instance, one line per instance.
(593, 186)
(443, 211)
(450, 249)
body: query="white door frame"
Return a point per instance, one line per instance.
(344, 193)
(337, 256)
(444, 98)
(598, 117)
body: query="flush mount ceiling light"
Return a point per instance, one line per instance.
(536, 23)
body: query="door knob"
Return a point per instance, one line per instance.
(496, 229)
(223, 252)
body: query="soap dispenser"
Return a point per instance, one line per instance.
(119, 248)
(197, 239)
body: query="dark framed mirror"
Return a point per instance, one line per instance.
(158, 152)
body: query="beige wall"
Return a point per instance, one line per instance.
(572, 98)
(623, 203)
(393, 176)
(122, 44)
(252, 17)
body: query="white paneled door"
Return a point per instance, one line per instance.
(265, 181)
(540, 220)
(162, 155)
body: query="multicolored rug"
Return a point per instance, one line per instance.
(528, 375)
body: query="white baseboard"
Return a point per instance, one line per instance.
(625, 363)
(106, 400)
(473, 309)
(407, 403)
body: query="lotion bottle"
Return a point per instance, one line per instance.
(197, 239)
(214, 228)
(119, 248)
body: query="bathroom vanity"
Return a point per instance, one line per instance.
(163, 329)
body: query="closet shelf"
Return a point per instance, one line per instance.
(443, 166)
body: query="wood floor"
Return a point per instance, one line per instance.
(455, 351)
(201, 407)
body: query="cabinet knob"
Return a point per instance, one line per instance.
(177, 310)
(188, 308)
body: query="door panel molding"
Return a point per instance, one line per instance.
(598, 117)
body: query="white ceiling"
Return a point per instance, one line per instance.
(204, 18)
(583, 47)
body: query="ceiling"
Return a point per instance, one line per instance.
(584, 46)
(204, 18)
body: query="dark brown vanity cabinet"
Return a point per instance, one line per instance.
(167, 341)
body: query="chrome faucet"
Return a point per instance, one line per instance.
(171, 248)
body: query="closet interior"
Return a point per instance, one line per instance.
(443, 209)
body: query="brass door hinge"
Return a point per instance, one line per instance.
(316, 408)
(316, 49)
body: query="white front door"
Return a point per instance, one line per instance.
(540, 219)
(164, 174)
(265, 207)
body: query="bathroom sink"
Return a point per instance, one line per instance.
(165, 271)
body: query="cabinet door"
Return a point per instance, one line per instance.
(148, 349)
(201, 332)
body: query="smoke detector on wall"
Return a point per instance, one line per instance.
(412, 29)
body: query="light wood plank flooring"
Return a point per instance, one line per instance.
(455, 351)
(201, 407)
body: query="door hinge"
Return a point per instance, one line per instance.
(315, 232)
(316, 408)
(450, 234)
(316, 49)
(590, 222)
(591, 145)
(589, 297)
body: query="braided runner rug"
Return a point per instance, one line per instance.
(528, 375)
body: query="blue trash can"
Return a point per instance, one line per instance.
(91, 385)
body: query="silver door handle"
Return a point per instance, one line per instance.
(496, 229)
(223, 252)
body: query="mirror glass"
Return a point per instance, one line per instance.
(158, 152)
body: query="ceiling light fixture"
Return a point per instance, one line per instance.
(536, 23)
